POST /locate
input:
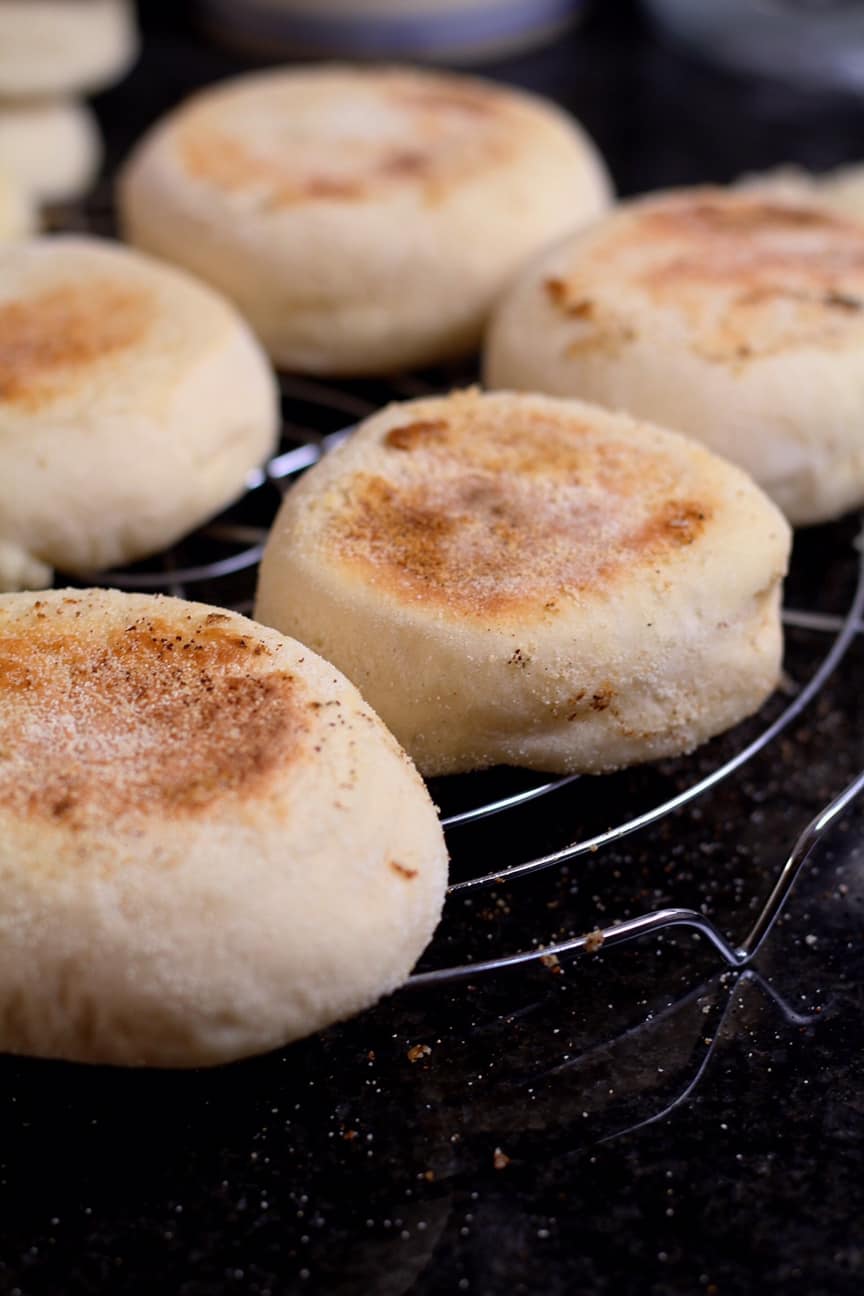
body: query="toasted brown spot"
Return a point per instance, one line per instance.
(293, 143)
(574, 702)
(556, 290)
(221, 159)
(560, 293)
(605, 331)
(750, 277)
(502, 515)
(601, 699)
(405, 162)
(401, 529)
(842, 301)
(321, 186)
(46, 340)
(740, 215)
(582, 309)
(141, 720)
(419, 433)
(678, 521)
(601, 327)
(403, 870)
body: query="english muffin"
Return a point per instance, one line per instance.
(735, 317)
(133, 402)
(363, 219)
(520, 580)
(57, 47)
(51, 146)
(209, 844)
(17, 213)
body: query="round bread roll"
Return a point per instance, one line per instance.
(17, 213)
(133, 402)
(520, 580)
(363, 219)
(56, 47)
(734, 317)
(51, 146)
(209, 844)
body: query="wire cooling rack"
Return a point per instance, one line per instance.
(218, 564)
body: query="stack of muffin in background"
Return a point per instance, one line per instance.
(52, 54)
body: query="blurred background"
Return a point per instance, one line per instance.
(674, 91)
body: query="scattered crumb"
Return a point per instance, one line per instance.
(500, 1160)
(417, 1052)
(593, 941)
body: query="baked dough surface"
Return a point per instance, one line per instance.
(522, 580)
(363, 219)
(209, 844)
(735, 317)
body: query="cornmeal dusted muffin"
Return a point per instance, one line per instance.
(209, 844)
(133, 402)
(735, 317)
(521, 580)
(363, 219)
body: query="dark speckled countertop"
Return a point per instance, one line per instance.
(635, 1122)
